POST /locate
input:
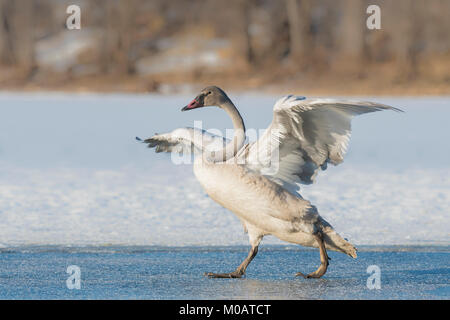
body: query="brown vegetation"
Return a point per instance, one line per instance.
(303, 46)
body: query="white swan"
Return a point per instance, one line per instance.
(259, 182)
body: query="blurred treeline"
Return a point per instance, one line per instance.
(250, 43)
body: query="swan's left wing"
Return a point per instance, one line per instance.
(305, 135)
(185, 140)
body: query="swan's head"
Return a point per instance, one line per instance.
(210, 96)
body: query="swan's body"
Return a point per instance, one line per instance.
(265, 207)
(259, 182)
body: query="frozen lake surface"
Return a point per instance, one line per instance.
(72, 174)
(177, 273)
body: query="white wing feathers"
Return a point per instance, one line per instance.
(186, 140)
(305, 135)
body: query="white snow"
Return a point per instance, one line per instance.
(72, 173)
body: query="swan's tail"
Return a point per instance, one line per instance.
(334, 241)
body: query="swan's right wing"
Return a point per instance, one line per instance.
(185, 140)
(304, 136)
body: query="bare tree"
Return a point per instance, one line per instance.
(6, 41)
(300, 38)
(17, 41)
(351, 29)
(126, 14)
(244, 8)
(24, 34)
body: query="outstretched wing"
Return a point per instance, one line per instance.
(185, 140)
(305, 135)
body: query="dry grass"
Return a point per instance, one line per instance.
(430, 78)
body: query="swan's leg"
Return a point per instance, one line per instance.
(240, 271)
(323, 259)
(255, 236)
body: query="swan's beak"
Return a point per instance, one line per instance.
(192, 105)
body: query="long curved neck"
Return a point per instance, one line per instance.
(230, 150)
